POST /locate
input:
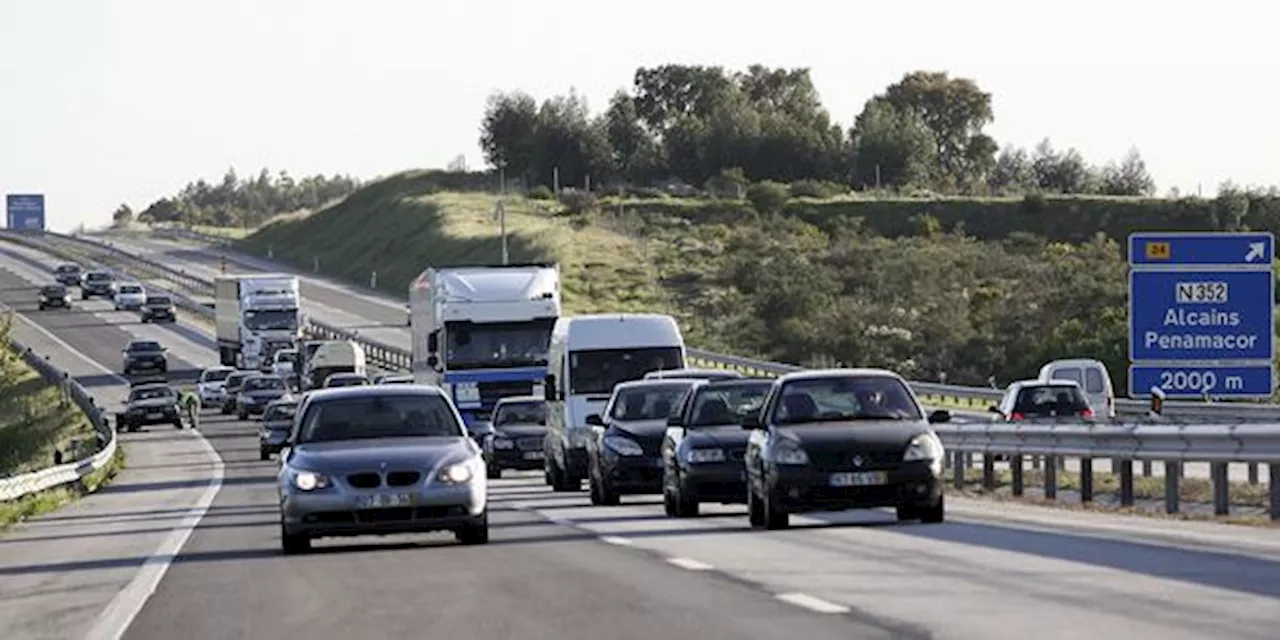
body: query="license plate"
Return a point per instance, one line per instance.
(154, 416)
(385, 501)
(861, 479)
(533, 455)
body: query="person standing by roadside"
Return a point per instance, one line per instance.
(190, 403)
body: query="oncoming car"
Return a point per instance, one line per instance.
(277, 421)
(694, 374)
(54, 295)
(149, 402)
(624, 456)
(841, 439)
(515, 440)
(380, 460)
(129, 296)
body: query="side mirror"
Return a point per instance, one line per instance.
(751, 421)
(433, 341)
(595, 420)
(433, 361)
(940, 416)
(675, 421)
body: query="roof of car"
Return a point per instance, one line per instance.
(817, 374)
(690, 371)
(516, 399)
(1055, 382)
(655, 383)
(335, 393)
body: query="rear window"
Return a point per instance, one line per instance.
(68, 268)
(1068, 373)
(215, 375)
(520, 413)
(721, 405)
(98, 275)
(379, 416)
(1050, 400)
(237, 378)
(1093, 381)
(144, 346)
(158, 300)
(54, 290)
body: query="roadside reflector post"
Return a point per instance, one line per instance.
(1157, 401)
(373, 280)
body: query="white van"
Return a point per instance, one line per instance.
(1093, 378)
(334, 356)
(588, 355)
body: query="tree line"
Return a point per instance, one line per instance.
(691, 123)
(241, 202)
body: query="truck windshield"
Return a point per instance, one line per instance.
(282, 319)
(497, 344)
(598, 371)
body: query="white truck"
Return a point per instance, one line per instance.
(482, 333)
(256, 315)
(330, 357)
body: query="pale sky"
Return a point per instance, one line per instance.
(110, 101)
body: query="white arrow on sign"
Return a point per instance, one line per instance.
(1256, 251)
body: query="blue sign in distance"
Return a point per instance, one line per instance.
(25, 211)
(1192, 381)
(1201, 316)
(1201, 249)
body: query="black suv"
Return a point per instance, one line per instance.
(145, 355)
(158, 309)
(149, 402)
(54, 295)
(68, 274)
(97, 283)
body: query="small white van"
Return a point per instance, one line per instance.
(1093, 378)
(588, 355)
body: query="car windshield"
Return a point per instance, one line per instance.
(346, 381)
(53, 291)
(648, 402)
(1044, 401)
(497, 344)
(151, 394)
(280, 412)
(215, 375)
(68, 268)
(130, 288)
(534, 412)
(286, 356)
(271, 320)
(842, 398)
(158, 301)
(379, 416)
(144, 346)
(236, 379)
(263, 384)
(599, 371)
(98, 276)
(727, 404)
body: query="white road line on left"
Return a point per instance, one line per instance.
(811, 603)
(622, 542)
(690, 564)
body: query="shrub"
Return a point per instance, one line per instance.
(817, 189)
(768, 196)
(577, 202)
(541, 192)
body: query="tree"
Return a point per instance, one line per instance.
(122, 216)
(508, 132)
(955, 110)
(1013, 172)
(665, 94)
(1130, 178)
(892, 148)
(634, 152)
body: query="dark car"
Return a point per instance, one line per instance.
(145, 356)
(232, 389)
(693, 374)
(277, 420)
(624, 454)
(838, 439)
(149, 403)
(257, 392)
(519, 426)
(54, 295)
(158, 309)
(97, 282)
(1041, 400)
(68, 274)
(346, 379)
(393, 378)
(705, 444)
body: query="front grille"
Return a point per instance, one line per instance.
(843, 460)
(737, 455)
(529, 444)
(364, 480)
(403, 478)
(492, 392)
(651, 446)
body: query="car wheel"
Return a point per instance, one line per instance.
(686, 502)
(177, 424)
(493, 472)
(226, 410)
(774, 518)
(608, 496)
(593, 488)
(559, 480)
(263, 455)
(294, 543)
(755, 512)
(476, 533)
(668, 502)
(933, 514)
(243, 416)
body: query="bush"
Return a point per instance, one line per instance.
(768, 196)
(727, 184)
(817, 189)
(648, 193)
(577, 202)
(541, 192)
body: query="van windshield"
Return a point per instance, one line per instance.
(598, 371)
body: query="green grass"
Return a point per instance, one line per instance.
(35, 419)
(400, 226)
(28, 506)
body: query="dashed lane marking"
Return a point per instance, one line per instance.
(811, 603)
(690, 564)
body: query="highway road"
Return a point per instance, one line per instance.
(380, 317)
(558, 567)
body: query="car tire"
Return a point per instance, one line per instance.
(668, 502)
(294, 543)
(608, 497)
(476, 533)
(593, 488)
(933, 514)
(493, 472)
(559, 480)
(686, 502)
(774, 518)
(177, 424)
(226, 411)
(263, 455)
(755, 510)
(243, 416)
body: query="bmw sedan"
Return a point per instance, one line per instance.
(379, 460)
(703, 451)
(624, 454)
(842, 439)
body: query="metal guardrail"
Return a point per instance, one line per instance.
(15, 487)
(969, 399)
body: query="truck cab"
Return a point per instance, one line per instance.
(587, 357)
(256, 315)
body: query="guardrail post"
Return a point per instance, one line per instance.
(1015, 466)
(1146, 468)
(1086, 479)
(271, 253)
(1221, 488)
(373, 280)
(1274, 490)
(1035, 463)
(1051, 477)
(959, 469)
(1172, 490)
(988, 471)
(1126, 482)
(1253, 473)
(315, 264)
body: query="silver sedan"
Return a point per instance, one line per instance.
(379, 460)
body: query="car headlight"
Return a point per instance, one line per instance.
(623, 446)
(459, 473)
(466, 392)
(705, 455)
(502, 442)
(310, 480)
(788, 452)
(925, 446)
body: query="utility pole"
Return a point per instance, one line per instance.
(501, 210)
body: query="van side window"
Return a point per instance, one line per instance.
(1093, 381)
(1068, 373)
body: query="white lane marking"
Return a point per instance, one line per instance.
(690, 564)
(811, 603)
(622, 542)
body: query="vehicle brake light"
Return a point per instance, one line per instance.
(1016, 416)
(1086, 413)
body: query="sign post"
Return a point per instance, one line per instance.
(24, 211)
(1201, 314)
